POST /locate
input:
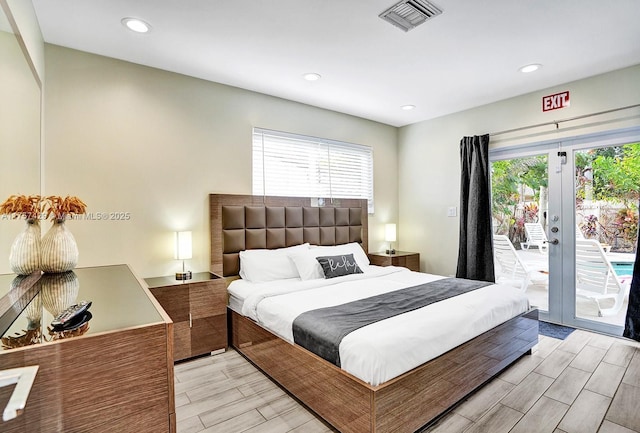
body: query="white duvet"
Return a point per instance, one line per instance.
(381, 351)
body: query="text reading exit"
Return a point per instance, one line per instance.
(553, 102)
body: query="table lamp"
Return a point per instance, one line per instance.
(183, 252)
(390, 236)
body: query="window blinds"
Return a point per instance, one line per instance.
(287, 164)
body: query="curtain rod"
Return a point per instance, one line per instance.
(557, 122)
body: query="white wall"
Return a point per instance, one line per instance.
(429, 161)
(128, 138)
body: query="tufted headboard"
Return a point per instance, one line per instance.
(244, 222)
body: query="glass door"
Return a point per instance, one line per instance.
(606, 191)
(566, 213)
(520, 211)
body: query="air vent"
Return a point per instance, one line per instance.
(408, 14)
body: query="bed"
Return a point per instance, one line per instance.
(401, 400)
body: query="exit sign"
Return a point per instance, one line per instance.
(556, 101)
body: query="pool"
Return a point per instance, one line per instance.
(622, 268)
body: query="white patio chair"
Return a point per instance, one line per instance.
(535, 237)
(595, 277)
(512, 269)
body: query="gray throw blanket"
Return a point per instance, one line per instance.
(321, 331)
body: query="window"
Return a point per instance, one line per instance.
(300, 166)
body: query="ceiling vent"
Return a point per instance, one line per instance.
(408, 14)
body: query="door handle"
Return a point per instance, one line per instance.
(554, 241)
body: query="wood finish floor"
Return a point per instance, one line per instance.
(588, 383)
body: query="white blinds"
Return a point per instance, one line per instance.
(300, 166)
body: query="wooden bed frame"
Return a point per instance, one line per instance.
(403, 404)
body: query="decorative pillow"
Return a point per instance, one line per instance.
(309, 268)
(259, 266)
(338, 266)
(352, 248)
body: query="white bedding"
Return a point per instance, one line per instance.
(381, 351)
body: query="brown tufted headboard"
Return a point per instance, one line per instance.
(244, 222)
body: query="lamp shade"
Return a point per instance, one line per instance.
(183, 246)
(390, 232)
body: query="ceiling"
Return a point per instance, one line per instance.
(466, 57)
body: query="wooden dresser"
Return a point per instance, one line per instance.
(399, 258)
(113, 374)
(198, 308)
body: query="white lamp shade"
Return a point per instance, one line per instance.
(390, 232)
(183, 246)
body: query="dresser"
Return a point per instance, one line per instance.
(399, 258)
(198, 308)
(113, 373)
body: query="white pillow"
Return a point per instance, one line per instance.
(309, 268)
(259, 266)
(307, 265)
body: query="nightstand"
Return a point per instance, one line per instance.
(198, 308)
(400, 258)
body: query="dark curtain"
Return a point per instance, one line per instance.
(632, 323)
(475, 252)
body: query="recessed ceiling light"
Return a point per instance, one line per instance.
(312, 76)
(530, 68)
(136, 25)
(408, 107)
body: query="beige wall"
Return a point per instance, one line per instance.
(25, 19)
(19, 116)
(128, 138)
(428, 154)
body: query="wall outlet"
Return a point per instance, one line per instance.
(452, 211)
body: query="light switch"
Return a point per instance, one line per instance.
(452, 211)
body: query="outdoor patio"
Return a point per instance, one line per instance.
(537, 290)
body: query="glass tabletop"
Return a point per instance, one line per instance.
(117, 302)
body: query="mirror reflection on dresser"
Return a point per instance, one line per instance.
(20, 114)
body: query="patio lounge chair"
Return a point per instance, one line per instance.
(535, 237)
(595, 277)
(512, 270)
